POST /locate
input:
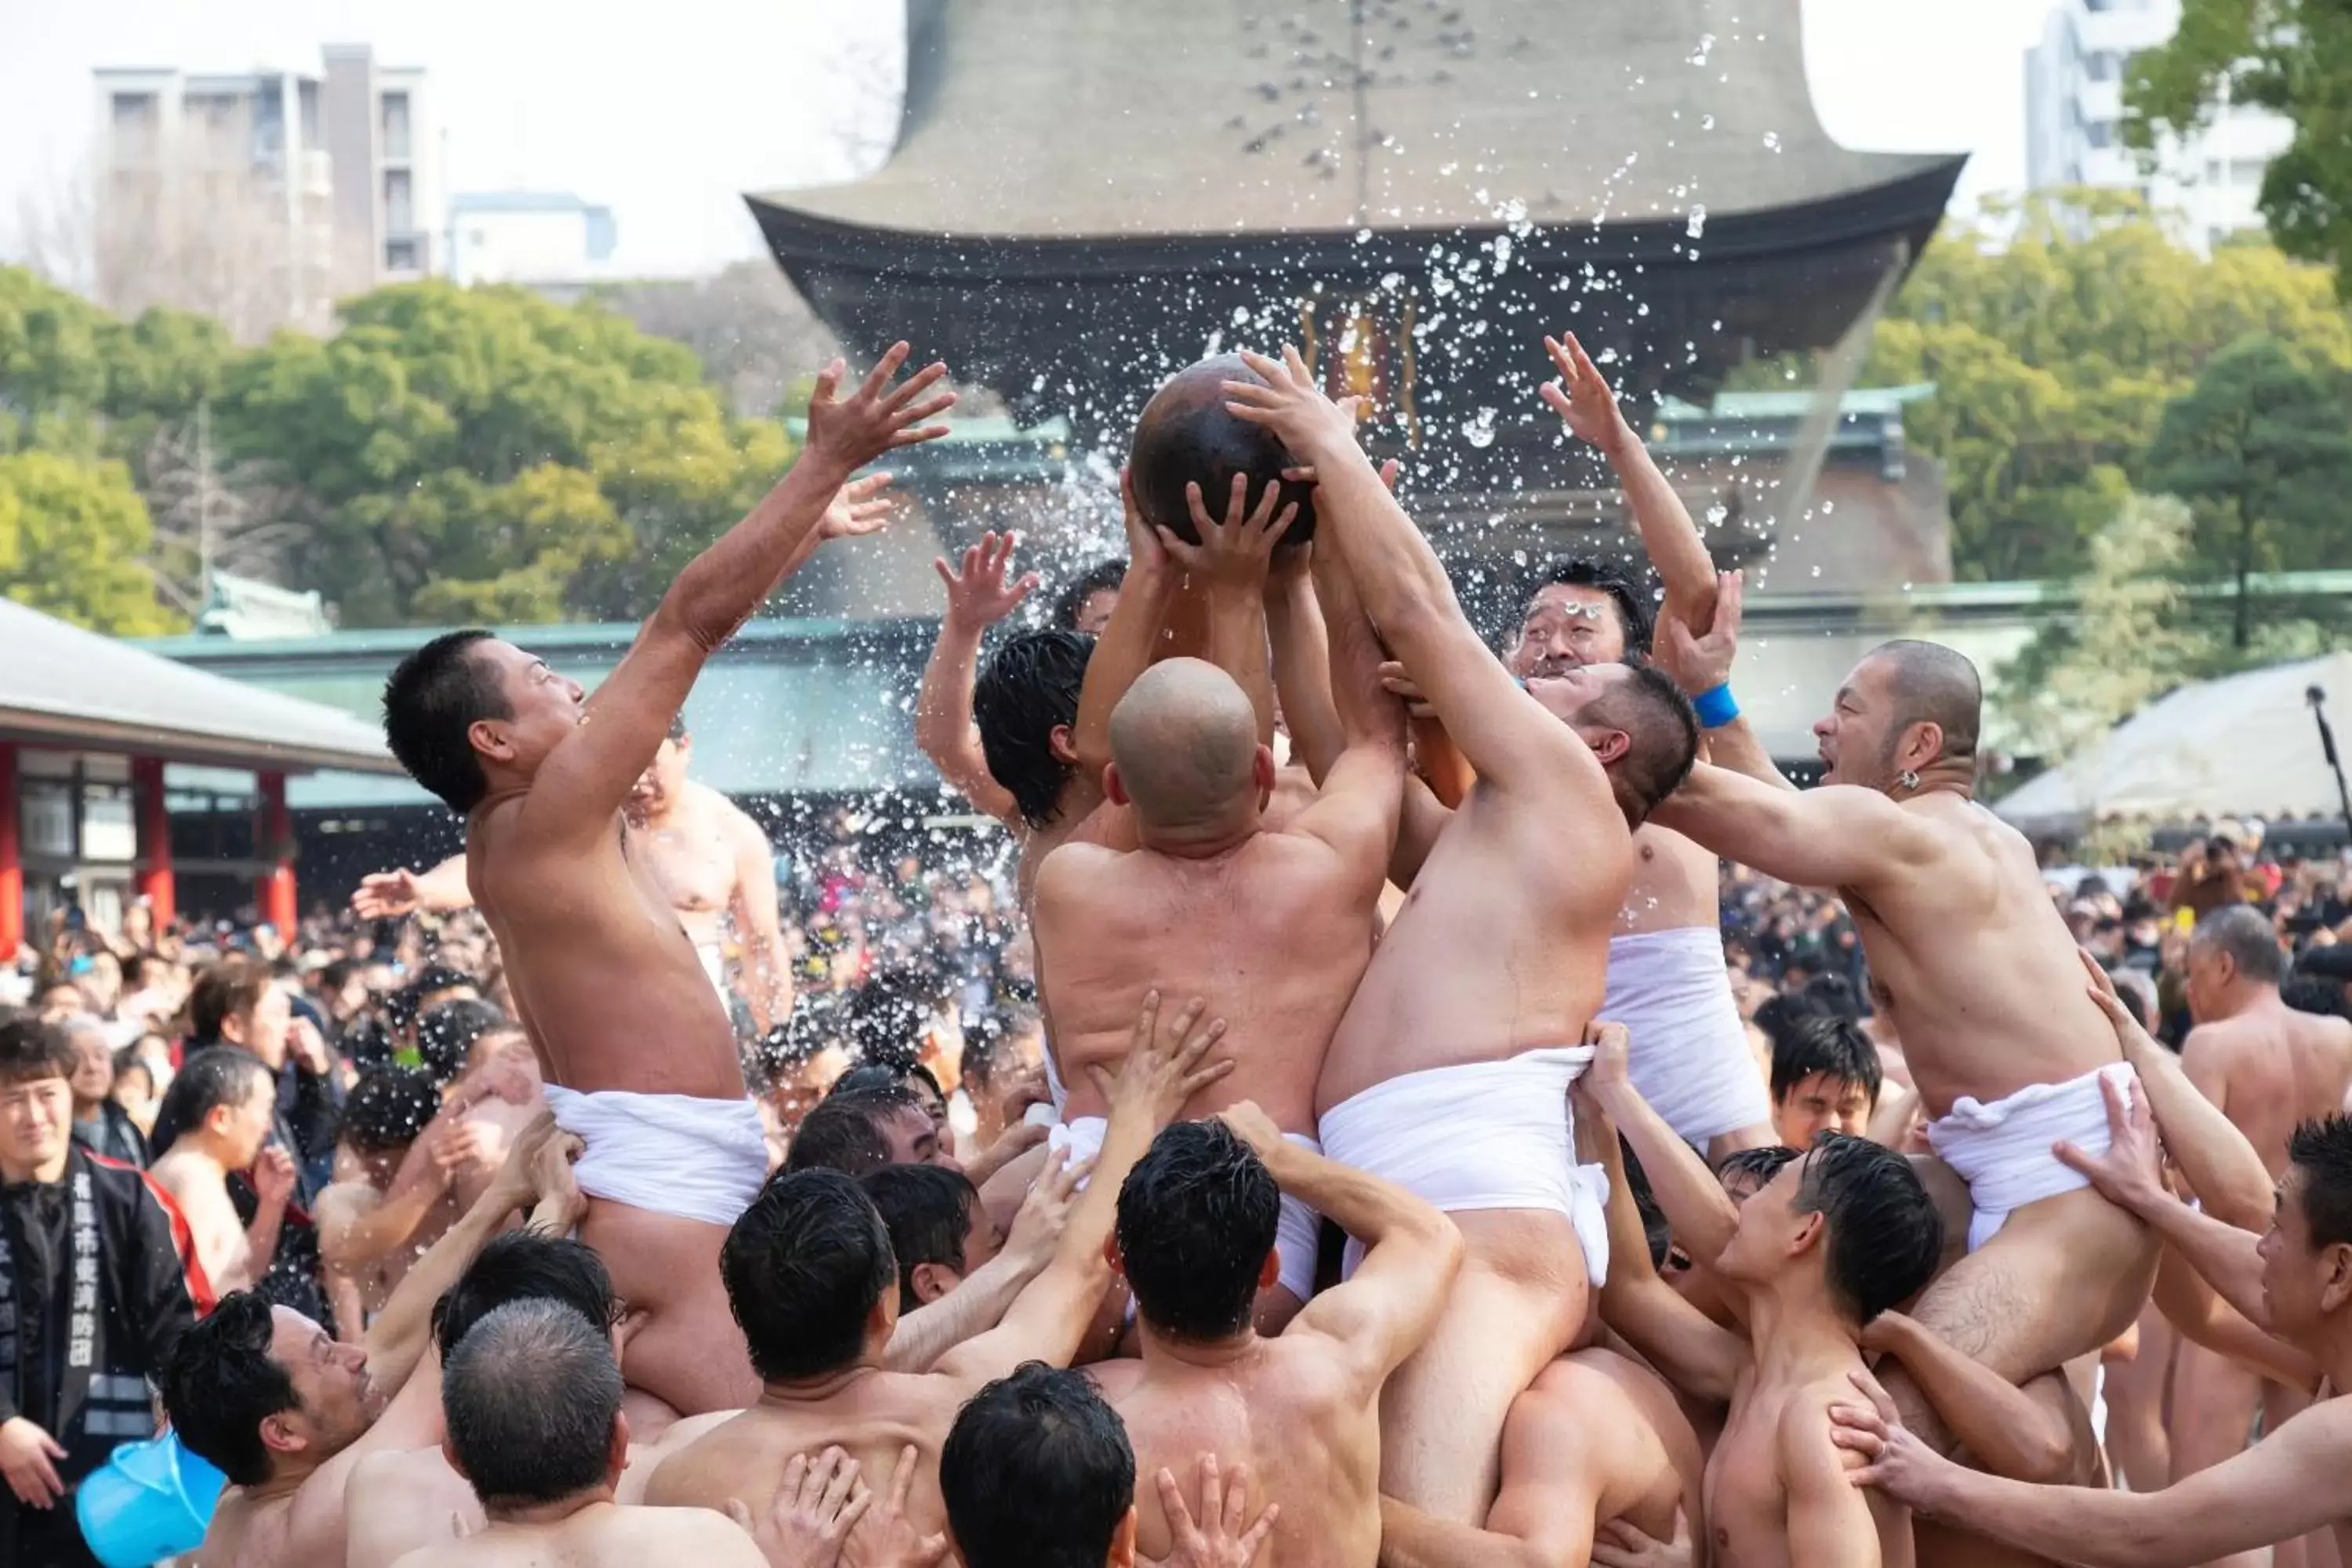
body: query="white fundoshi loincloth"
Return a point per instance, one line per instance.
(1296, 1236)
(2002, 1150)
(1688, 1053)
(667, 1154)
(1480, 1136)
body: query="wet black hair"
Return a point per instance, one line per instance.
(1635, 615)
(1029, 685)
(30, 1049)
(1094, 579)
(844, 1131)
(213, 1077)
(1197, 1217)
(928, 1210)
(388, 1108)
(1825, 1042)
(221, 1385)
(803, 1266)
(2321, 1150)
(1756, 1166)
(433, 698)
(1036, 1472)
(1884, 1234)
(446, 1035)
(529, 1399)
(525, 1265)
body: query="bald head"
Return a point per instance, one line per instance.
(1186, 435)
(1933, 684)
(1184, 739)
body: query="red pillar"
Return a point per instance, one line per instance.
(274, 843)
(12, 863)
(155, 874)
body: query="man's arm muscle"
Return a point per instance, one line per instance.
(1831, 1521)
(1839, 836)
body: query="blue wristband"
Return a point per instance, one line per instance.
(1716, 708)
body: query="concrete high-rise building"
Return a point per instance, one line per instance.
(2205, 186)
(263, 196)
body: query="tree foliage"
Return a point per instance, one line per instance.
(71, 535)
(450, 455)
(2057, 332)
(2290, 56)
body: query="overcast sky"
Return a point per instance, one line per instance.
(666, 112)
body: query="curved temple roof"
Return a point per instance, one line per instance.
(1073, 119)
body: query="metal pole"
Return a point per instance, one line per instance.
(2317, 697)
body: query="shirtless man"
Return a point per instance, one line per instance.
(2270, 1069)
(711, 859)
(1666, 978)
(216, 1118)
(1278, 924)
(639, 1056)
(2297, 1282)
(1197, 1222)
(530, 1403)
(1975, 968)
(1838, 1236)
(1447, 1072)
(288, 1414)
(809, 1270)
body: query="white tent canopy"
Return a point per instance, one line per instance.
(2244, 746)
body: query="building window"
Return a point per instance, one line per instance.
(138, 127)
(2246, 171)
(2100, 65)
(400, 254)
(308, 97)
(395, 125)
(2099, 133)
(398, 215)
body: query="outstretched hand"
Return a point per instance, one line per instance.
(886, 1538)
(979, 596)
(1164, 1067)
(1581, 398)
(2130, 1174)
(850, 432)
(386, 895)
(1221, 1537)
(1045, 1211)
(857, 509)
(1896, 1462)
(816, 1507)
(1234, 553)
(1316, 430)
(1700, 664)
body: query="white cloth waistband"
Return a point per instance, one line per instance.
(667, 1154)
(1481, 1135)
(1689, 1054)
(714, 964)
(1298, 1237)
(2002, 1150)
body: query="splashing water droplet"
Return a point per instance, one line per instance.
(1771, 140)
(1479, 428)
(1697, 224)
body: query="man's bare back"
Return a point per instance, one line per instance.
(2271, 1069)
(602, 1535)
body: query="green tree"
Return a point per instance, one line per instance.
(71, 537)
(2259, 447)
(2290, 56)
(2129, 640)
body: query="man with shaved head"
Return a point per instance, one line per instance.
(1973, 966)
(1274, 927)
(2270, 1069)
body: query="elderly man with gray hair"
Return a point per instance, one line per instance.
(100, 1125)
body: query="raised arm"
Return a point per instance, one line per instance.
(1363, 793)
(2191, 1306)
(1230, 565)
(2287, 1485)
(1688, 1349)
(388, 895)
(1509, 737)
(979, 1303)
(1301, 648)
(588, 776)
(1163, 1070)
(1701, 665)
(759, 922)
(978, 597)
(1383, 1310)
(1590, 409)
(1839, 836)
(1124, 650)
(1699, 1211)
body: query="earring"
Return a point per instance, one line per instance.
(1907, 779)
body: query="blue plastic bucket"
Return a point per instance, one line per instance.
(150, 1500)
